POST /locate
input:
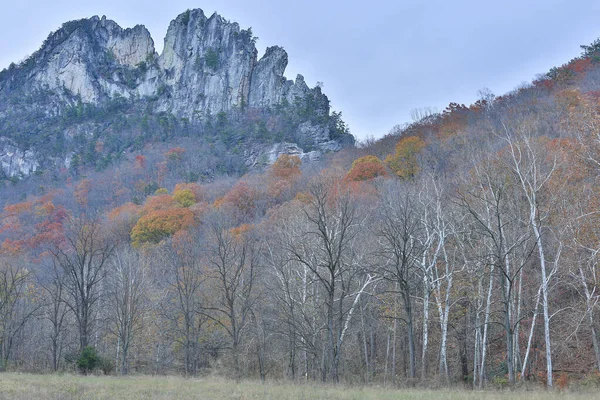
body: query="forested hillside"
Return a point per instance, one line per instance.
(461, 248)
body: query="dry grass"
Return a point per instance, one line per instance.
(68, 387)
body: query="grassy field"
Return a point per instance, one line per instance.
(67, 387)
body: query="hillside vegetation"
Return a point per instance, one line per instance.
(461, 249)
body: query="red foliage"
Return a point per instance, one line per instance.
(12, 247)
(580, 65)
(126, 211)
(241, 198)
(160, 202)
(140, 162)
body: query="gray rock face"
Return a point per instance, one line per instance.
(264, 156)
(128, 46)
(14, 161)
(292, 149)
(209, 65)
(71, 58)
(267, 85)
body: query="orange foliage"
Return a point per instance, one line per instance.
(160, 202)
(569, 99)
(562, 381)
(44, 209)
(50, 230)
(303, 197)
(286, 167)
(175, 154)
(580, 65)
(159, 224)
(366, 168)
(11, 224)
(283, 174)
(240, 231)
(28, 225)
(18, 208)
(454, 118)
(140, 162)
(126, 211)
(241, 197)
(82, 191)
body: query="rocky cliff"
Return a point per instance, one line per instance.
(208, 66)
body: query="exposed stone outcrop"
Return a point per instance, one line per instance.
(14, 161)
(82, 55)
(268, 155)
(208, 65)
(267, 83)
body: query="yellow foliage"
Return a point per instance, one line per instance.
(184, 197)
(404, 162)
(159, 224)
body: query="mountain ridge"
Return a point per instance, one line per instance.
(208, 66)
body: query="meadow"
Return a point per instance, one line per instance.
(15, 386)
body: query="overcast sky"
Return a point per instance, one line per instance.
(378, 59)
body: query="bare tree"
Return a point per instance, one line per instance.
(327, 250)
(128, 283)
(15, 310)
(56, 311)
(533, 171)
(83, 260)
(401, 250)
(184, 298)
(489, 204)
(232, 256)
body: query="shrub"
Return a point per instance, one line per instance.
(106, 364)
(88, 360)
(211, 59)
(500, 382)
(366, 168)
(562, 381)
(591, 381)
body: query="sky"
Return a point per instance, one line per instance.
(378, 60)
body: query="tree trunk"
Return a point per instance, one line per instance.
(425, 329)
(544, 299)
(486, 323)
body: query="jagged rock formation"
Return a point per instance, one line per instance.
(74, 58)
(208, 66)
(14, 161)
